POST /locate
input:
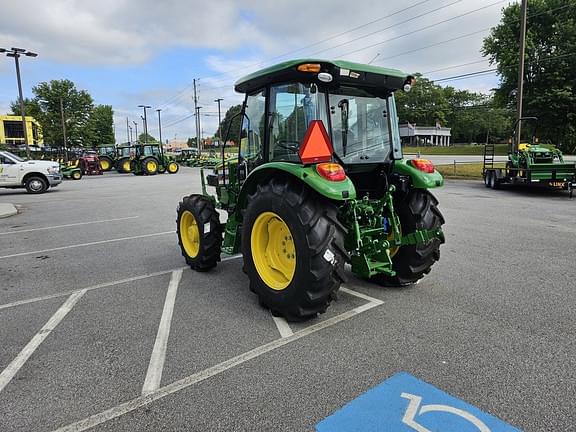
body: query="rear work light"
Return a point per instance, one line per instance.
(423, 165)
(331, 171)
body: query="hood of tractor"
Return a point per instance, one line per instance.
(329, 72)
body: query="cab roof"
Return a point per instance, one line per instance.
(355, 74)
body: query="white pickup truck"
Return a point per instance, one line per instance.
(35, 175)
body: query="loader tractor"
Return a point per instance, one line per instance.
(149, 159)
(319, 181)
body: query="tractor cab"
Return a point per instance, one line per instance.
(354, 104)
(319, 180)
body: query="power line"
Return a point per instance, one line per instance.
(189, 86)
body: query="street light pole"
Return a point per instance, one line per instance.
(16, 53)
(63, 129)
(219, 120)
(144, 107)
(519, 95)
(159, 125)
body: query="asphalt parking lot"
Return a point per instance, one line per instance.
(103, 328)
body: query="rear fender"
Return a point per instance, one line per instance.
(335, 191)
(420, 179)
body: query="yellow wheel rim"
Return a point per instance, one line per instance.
(273, 251)
(172, 167)
(126, 166)
(151, 166)
(104, 165)
(76, 175)
(189, 234)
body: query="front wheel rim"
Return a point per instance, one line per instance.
(273, 251)
(36, 185)
(190, 234)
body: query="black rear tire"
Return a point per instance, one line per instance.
(417, 211)
(106, 163)
(318, 242)
(149, 166)
(209, 235)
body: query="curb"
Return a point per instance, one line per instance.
(7, 210)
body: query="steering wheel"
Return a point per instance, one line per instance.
(292, 146)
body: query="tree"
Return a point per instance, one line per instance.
(550, 66)
(147, 138)
(425, 104)
(233, 122)
(45, 107)
(100, 126)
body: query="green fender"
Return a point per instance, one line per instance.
(420, 179)
(337, 191)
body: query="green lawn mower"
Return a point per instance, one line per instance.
(319, 181)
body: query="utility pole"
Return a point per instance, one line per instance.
(199, 133)
(197, 112)
(160, 131)
(16, 53)
(135, 130)
(144, 107)
(520, 93)
(128, 137)
(63, 129)
(219, 120)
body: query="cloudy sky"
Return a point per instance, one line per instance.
(131, 52)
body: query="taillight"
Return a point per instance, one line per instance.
(331, 171)
(423, 165)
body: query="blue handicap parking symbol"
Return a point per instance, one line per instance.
(403, 403)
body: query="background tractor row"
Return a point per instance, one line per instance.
(319, 181)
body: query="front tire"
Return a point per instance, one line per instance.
(173, 168)
(36, 185)
(76, 175)
(417, 211)
(106, 163)
(199, 232)
(293, 248)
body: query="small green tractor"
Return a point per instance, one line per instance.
(529, 163)
(319, 181)
(149, 159)
(107, 157)
(124, 155)
(71, 170)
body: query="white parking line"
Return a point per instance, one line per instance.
(362, 296)
(156, 365)
(86, 244)
(283, 326)
(102, 285)
(68, 225)
(13, 368)
(184, 383)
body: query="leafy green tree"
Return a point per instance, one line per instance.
(146, 137)
(100, 126)
(45, 107)
(550, 66)
(424, 105)
(233, 122)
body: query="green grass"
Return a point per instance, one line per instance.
(500, 150)
(464, 170)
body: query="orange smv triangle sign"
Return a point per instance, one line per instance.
(316, 146)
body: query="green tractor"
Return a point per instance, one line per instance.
(124, 156)
(319, 181)
(149, 159)
(107, 157)
(529, 163)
